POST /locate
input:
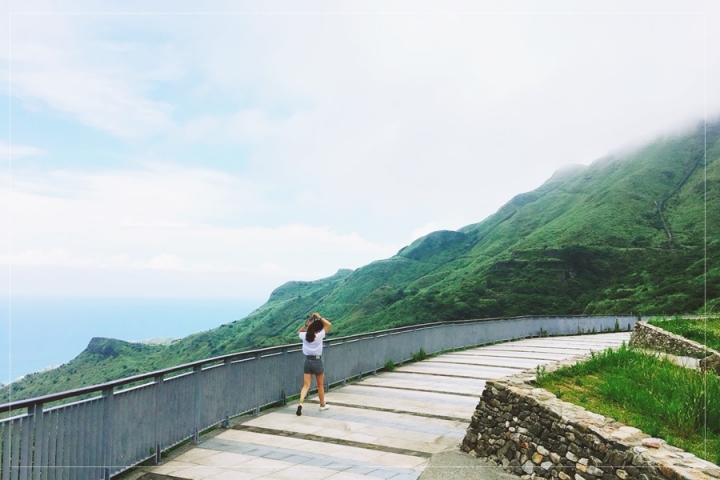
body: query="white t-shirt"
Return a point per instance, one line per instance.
(313, 348)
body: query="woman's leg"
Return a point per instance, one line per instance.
(320, 379)
(303, 392)
(307, 377)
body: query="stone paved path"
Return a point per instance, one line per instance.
(386, 426)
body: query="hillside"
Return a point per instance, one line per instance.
(625, 234)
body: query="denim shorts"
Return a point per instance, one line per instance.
(314, 366)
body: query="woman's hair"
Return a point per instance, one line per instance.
(313, 329)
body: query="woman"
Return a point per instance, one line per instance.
(312, 334)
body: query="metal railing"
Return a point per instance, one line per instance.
(130, 421)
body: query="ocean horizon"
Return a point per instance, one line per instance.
(37, 333)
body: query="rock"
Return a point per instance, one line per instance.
(537, 458)
(528, 467)
(652, 442)
(667, 470)
(712, 471)
(593, 470)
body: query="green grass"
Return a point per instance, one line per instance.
(420, 355)
(702, 331)
(648, 392)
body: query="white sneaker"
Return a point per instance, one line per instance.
(324, 407)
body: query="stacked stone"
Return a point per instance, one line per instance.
(531, 433)
(651, 337)
(711, 363)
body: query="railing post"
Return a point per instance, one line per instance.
(226, 395)
(159, 383)
(258, 358)
(29, 437)
(38, 442)
(198, 403)
(283, 396)
(107, 432)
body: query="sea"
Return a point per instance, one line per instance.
(41, 333)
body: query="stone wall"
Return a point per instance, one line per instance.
(651, 337)
(532, 433)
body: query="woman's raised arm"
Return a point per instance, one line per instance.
(326, 322)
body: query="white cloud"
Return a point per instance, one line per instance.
(96, 99)
(245, 127)
(312, 142)
(400, 120)
(53, 257)
(19, 151)
(424, 230)
(182, 221)
(99, 83)
(129, 222)
(163, 261)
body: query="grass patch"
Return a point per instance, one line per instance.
(648, 392)
(420, 355)
(699, 330)
(389, 366)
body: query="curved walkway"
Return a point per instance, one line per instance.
(402, 425)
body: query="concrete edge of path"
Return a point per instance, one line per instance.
(454, 464)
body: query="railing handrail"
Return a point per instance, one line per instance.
(53, 397)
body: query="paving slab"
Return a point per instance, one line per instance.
(542, 350)
(403, 425)
(490, 361)
(362, 430)
(420, 408)
(463, 371)
(392, 395)
(550, 354)
(408, 422)
(456, 465)
(427, 383)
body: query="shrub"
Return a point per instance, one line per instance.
(420, 355)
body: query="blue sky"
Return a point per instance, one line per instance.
(220, 150)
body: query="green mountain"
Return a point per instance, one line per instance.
(626, 234)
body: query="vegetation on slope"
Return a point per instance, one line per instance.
(648, 392)
(704, 331)
(590, 240)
